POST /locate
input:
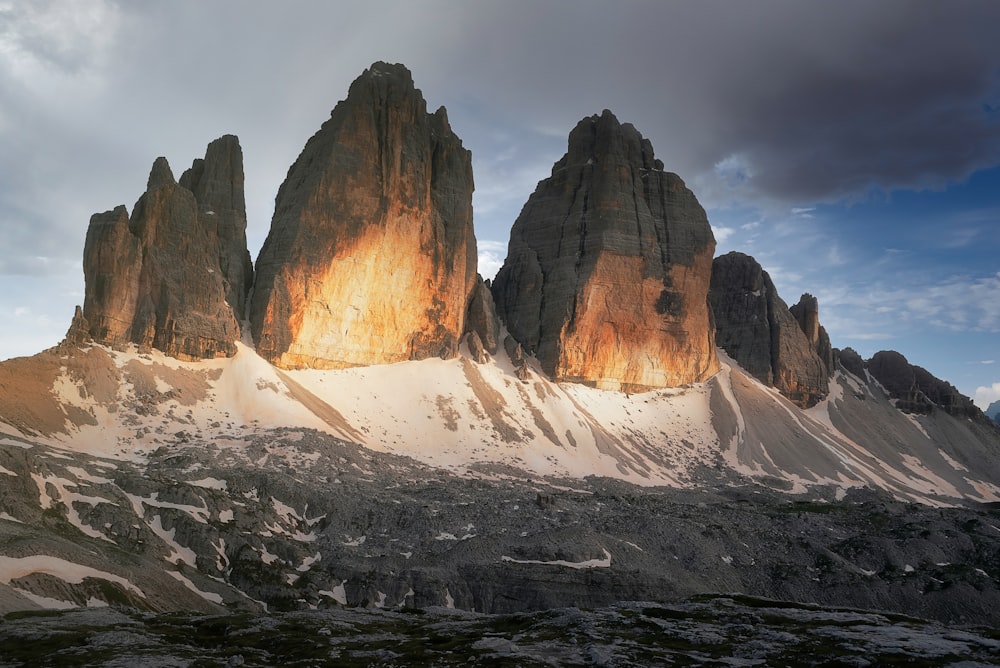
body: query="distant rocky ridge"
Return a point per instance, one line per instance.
(993, 411)
(371, 257)
(785, 348)
(174, 276)
(608, 267)
(916, 390)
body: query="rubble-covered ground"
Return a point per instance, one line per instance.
(705, 631)
(294, 520)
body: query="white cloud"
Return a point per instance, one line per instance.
(987, 395)
(868, 336)
(722, 233)
(56, 37)
(491, 257)
(734, 170)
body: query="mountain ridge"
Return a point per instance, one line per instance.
(167, 456)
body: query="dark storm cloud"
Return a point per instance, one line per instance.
(815, 100)
(786, 102)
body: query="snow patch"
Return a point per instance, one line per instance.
(212, 597)
(13, 568)
(338, 593)
(589, 563)
(209, 483)
(179, 552)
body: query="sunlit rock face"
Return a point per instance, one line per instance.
(160, 279)
(371, 256)
(757, 329)
(608, 267)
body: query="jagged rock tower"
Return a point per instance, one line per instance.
(371, 255)
(174, 276)
(608, 267)
(789, 351)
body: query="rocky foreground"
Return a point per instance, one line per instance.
(705, 631)
(288, 520)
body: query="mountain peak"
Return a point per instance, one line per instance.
(156, 279)
(611, 294)
(371, 256)
(160, 175)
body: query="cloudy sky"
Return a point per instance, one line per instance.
(852, 147)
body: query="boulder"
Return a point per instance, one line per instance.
(371, 256)
(608, 267)
(476, 349)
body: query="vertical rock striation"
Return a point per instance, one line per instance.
(371, 256)
(806, 312)
(757, 329)
(157, 279)
(481, 318)
(217, 184)
(608, 267)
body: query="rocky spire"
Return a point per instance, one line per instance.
(806, 312)
(371, 256)
(608, 267)
(156, 279)
(217, 184)
(757, 329)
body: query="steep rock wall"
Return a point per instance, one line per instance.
(608, 267)
(371, 255)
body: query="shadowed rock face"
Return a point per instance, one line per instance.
(916, 389)
(371, 255)
(217, 184)
(161, 279)
(757, 329)
(482, 319)
(608, 267)
(806, 312)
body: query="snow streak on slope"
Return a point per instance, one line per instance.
(481, 419)
(854, 437)
(457, 414)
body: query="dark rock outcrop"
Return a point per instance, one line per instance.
(916, 390)
(608, 267)
(482, 318)
(160, 279)
(806, 312)
(371, 256)
(851, 361)
(756, 328)
(79, 330)
(217, 184)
